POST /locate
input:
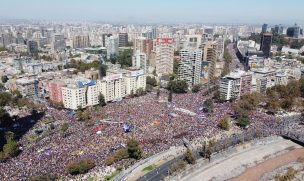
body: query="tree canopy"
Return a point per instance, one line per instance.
(178, 86)
(134, 149)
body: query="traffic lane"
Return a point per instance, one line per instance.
(160, 172)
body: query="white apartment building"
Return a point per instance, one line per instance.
(112, 87)
(220, 47)
(80, 93)
(235, 84)
(115, 86)
(190, 66)
(73, 97)
(134, 80)
(139, 60)
(164, 56)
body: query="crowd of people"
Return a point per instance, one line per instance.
(153, 121)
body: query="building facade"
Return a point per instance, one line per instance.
(123, 40)
(190, 66)
(139, 60)
(266, 41)
(81, 41)
(164, 56)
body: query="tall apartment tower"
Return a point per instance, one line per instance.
(266, 41)
(164, 56)
(139, 60)
(58, 42)
(190, 66)
(210, 55)
(123, 39)
(143, 45)
(112, 46)
(264, 28)
(32, 46)
(81, 41)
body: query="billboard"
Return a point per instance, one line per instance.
(137, 73)
(165, 40)
(82, 84)
(113, 77)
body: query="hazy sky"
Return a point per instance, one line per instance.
(153, 11)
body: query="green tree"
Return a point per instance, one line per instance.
(80, 167)
(5, 98)
(134, 149)
(101, 99)
(4, 79)
(10, 148)
(5, 118)
(17, 94)
(64, 127)
(103, 70)
(203, 150)
(151, 81)
(175, 67)
(132, 94)
(178, 86)
(140, 92)
(225, 124)
(196, 88)
(125, 58)
(170, 96)
(243, 122)
(189, 157)
(208, 105)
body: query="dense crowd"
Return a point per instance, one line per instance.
(154, 122)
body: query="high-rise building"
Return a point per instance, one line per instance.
(193, 41)
(81, 41)
(164, 56)
(143, 45)
(58, 42)
(104, 37)
(112, 46)
(294, 32)
(266, 41)
(220, 47)
(32, 46)
(123, 39)
(278, 29)
(210, 55)
(139, 60)
(264, 28)
(154, 33)
(190, 66)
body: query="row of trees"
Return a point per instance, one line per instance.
(124, 58)
(228, 60)
(285, 97)
(132, 151)
(81, 167)
(10, 148)
(81, 66)
(178, 86)
(14, 99)
(150, 83)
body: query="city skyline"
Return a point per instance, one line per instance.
(135, 11)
